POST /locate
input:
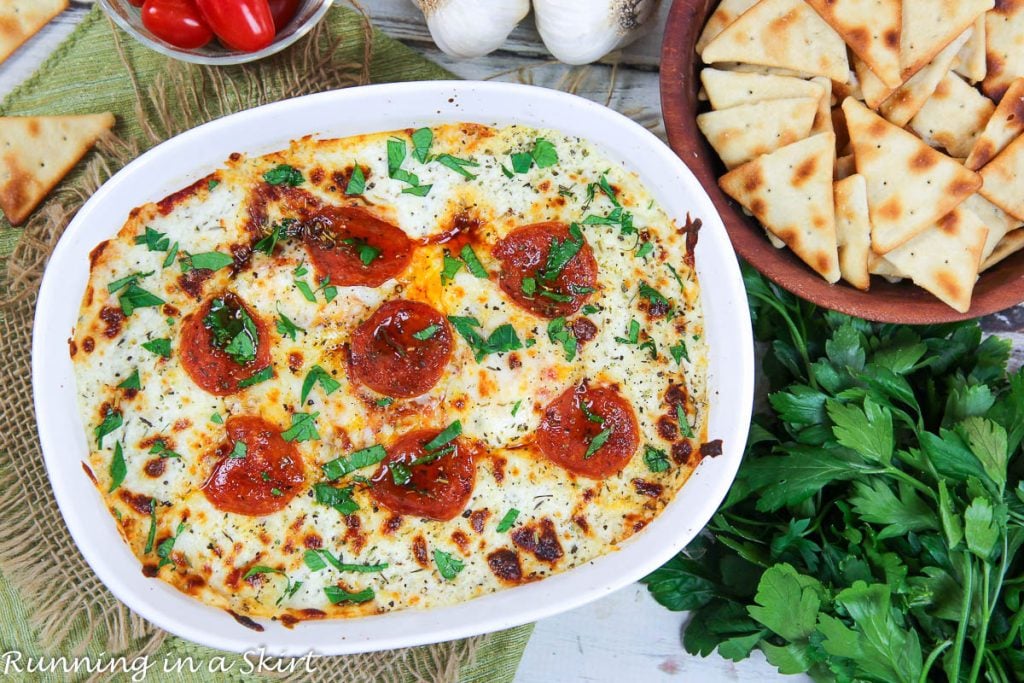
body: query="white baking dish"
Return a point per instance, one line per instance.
(190, 156)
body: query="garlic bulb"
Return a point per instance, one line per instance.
(471, 28)
(583, 31)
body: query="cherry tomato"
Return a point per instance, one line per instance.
(176, 21)
(245, 25)
(283, 11)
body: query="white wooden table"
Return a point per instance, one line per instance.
(625, 636)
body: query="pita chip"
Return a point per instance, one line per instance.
(1004, 47)
(845, 167)
(945, 259)
(782, 33)
(853, 230)
(878, 265)
(1008, 246)
(953, 117)
(971, 61)
(872, 30)
(910, 185)
(823, 117)
(727, 12)
(1006, 123)
(37, 152)
(1004, 179)
(872, 90)
(742, 133)
(907, 100)
(998, 222)
(931, 25)
(790, 192)
(732, 88)
(21, 19)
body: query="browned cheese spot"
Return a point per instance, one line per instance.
(540, 539)
(504, 564)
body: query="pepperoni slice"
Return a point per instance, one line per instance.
(533, 280)
(354, 248)
(264, 479)
(207, 362)
(438, 489)
(402, 349)
(582, 417)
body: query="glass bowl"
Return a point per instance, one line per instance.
(129, 18)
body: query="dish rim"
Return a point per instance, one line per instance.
(270, 127)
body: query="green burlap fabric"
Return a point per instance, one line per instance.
(51, 603)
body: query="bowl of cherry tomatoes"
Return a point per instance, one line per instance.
(216, 31)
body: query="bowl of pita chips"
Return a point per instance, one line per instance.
(866, 155)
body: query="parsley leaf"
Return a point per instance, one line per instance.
(261, 376)
(233, 330)
(426, 333)
(160, 448)
(151, 536)
(130, 279)
(456, 164)
(356, 182)
(161, 347)
(338, 595)
(134, 297)
(450, 267)
(339, 499)
(132, 381)
(154, 241)
(422, 139)
(367, 253)
(544, 153)
(118, 468)
(560, 333)
(473, 263)
(597, 442)
(210, 260)
(508, 521)
(357, 460)
(317, 375)
(238, 451)
(278, 232)
(448, 566)
(501, 340)
(283, 174)
(287, 328)
(655, 459)
(112, 420)
(303, 427)
(561, 252)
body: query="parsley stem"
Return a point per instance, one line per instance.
(910, 481)
(986, 617)
(965, 617)
(930, 662)
(798, 339)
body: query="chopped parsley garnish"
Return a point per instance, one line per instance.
(287, 328)
(239, 451)
(447, 435)
(422, 139)
(456, 164)
(118, 468)
(516, 406)
(154, 241)
(132, 381)
(171, 254)
(543, 154)
(597, 442)
(276, 492)
(317, 375)
(339, 499)
(555, 296)
(337, 595)
(565, 191)
(529, 286)
(209, 260)
(216, 419)
(134, 297)
(160, 448)
(652, 347)
(522, 162)
(329, 290)
(357, 460)
(633, 336)
(161, 347)
(656, 298)
(385, 401)
(684, 422)
(418, 190)
(447, 565)
(472, 262)
(590, 309)
(400, 474)
(436, 448)
(283, 174)
(675, 274)
(261, 376)
(212, 184)
(151, 537)
(618, 216)
(233, 330)
(112, 419)
(508, 520)
(396, 156)
(605, 187)
(278, 232)
(644, 250)
(303, 428)
(656, 460)
(426, 333)
(123, 282)
(501, 340)
(590, 415)
(356, 182)
(679, 352)
(291, 587)
(261, 569)
(314, 559)
(450, 268)
(163, 551)
(367, 253)
(559, 333)
(562, 252)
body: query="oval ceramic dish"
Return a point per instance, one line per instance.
(998, 288)
(190, 156)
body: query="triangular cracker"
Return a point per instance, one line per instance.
(872, 30)
(727, 12)
(21, 19)
(1004, 38)
(845, 167)
(742, 133)
(1006, 123)
(37, 151)
(931, 25)
(953, 117)
(877, 265)
(782, 33)
(945, 258)
(732, 88)
(971, 59)
(790, 192)
(1004, 179)
(823, 118)
(908, 99)
(910, 185)
(872, 90)
(853, 230)
(998, 222)
(1008, 246)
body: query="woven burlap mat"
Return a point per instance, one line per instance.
(51, 603)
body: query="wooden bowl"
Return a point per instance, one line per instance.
(999, 287)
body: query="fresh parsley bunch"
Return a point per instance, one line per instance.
(874, 531)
